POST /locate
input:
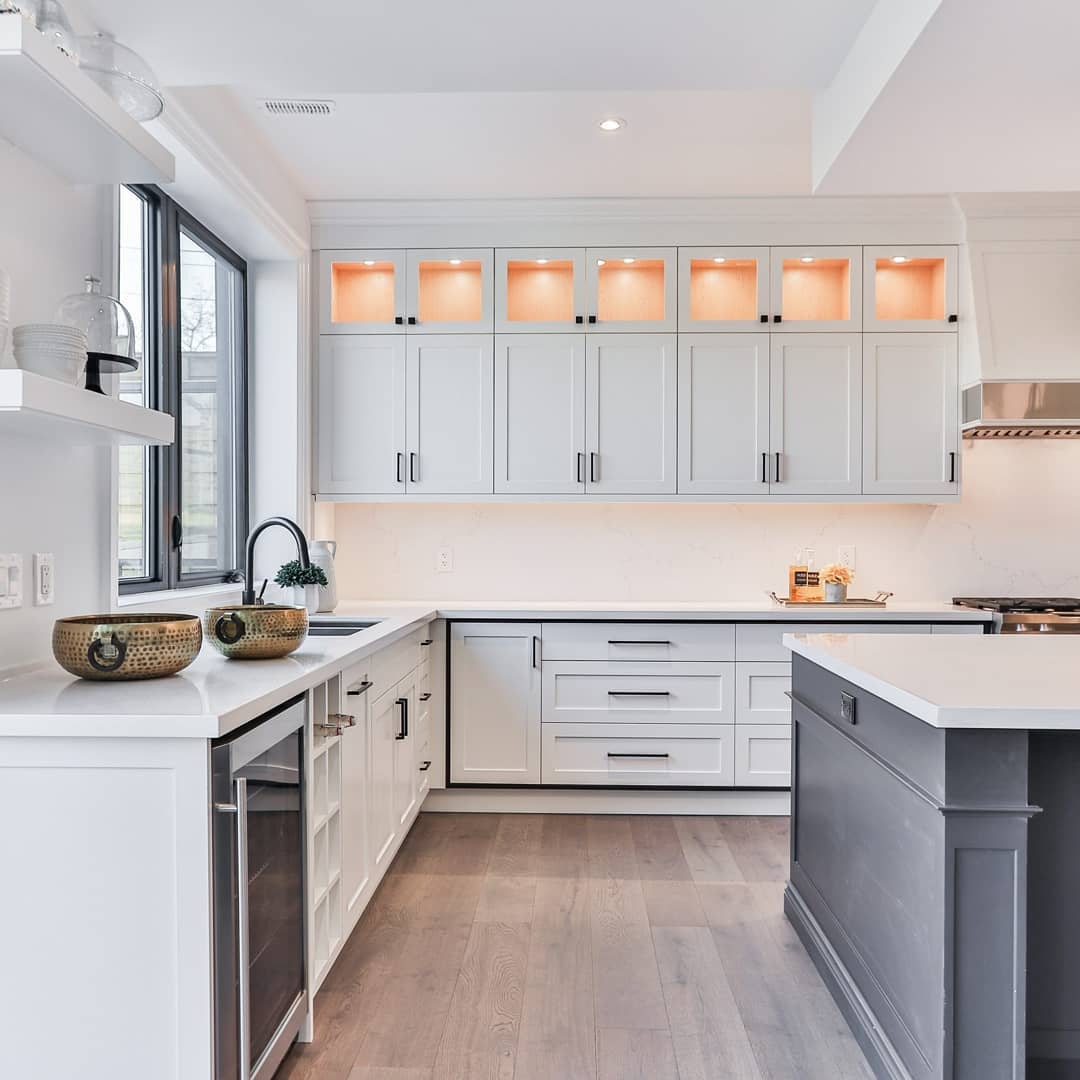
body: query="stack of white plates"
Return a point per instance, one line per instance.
(50, 349)
(5, 311)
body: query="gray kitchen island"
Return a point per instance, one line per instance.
(935, 848)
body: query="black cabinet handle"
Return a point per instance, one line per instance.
(412, 320)
(639, 693)
(778, 456)
(777, 318)
(954, 318)
(764, 466)
(535, 651)
(579, 471)
(952, 466)
(426, 765)
(427, 641)
(400, 473)
(403, 731)
(177, 532)
(593, 460)
(637, 641)
(413, 471)
(425, 697)
(592, 318)
(579, 319)
(398, 320)
(611, 755)
(763, 318)
(356, 691)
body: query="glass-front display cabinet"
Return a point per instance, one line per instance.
(723, 289)
(362, 292)
(631, 289)
(909, 288)
(816, 288)
(539, 290)
(450, 291)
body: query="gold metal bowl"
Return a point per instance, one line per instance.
(256, 631)
(119, 647)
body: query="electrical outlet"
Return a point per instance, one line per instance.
(11, 581)
(44, 578)
(845, 555)
(444, 561)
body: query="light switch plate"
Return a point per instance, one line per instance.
(847, 707)
(11, 567)
(845, 555)
(44, 578)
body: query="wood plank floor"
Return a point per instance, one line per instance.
(568, 947)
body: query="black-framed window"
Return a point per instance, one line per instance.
(183, 508)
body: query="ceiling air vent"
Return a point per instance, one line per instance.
(297, 107)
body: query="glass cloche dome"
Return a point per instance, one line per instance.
(110, 331)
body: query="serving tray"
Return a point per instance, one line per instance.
(877, 601)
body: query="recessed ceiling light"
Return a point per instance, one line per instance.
(807, 259)
(719, 259)
(612, 123)
(541, 262)
(628, 261)
(455, 262)
(369, 262)
(600, 262)
(899, 258)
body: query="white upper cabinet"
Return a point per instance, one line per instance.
(495, 703)
(361, 419)
(450, 291)
(540, 413)
(450, 423)
(362, 292)
(911, 429)
(539, 290)
(815, 426)
(723, 289)
(631, 289)
(909, 288)
(631, 413)
(724, 414)
(816, 288)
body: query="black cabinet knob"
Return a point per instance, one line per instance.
(763, 318)
(579, 319)
(777, 318)
(412, 320)
(398, 320)
(592, 318)
(954, 318)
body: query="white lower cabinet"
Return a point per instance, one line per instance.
(761, 691)
(355, 773)
(405, 775)
(763, 755)
(385, 724)
(495, 703)
(639, 755)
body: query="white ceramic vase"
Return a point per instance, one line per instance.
(322, 554)
(305, 596)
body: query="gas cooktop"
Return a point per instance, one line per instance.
(1019, 603)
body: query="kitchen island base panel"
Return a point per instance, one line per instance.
(933, 882)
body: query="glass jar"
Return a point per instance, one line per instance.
(110, 331)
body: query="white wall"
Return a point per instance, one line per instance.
(1017, 531)
(51, 498)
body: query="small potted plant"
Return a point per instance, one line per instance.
(836, 578)
(303, 582)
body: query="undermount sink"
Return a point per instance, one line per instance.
(339, 627)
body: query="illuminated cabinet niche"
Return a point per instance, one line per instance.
(910, 288)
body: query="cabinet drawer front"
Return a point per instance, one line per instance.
(646, 755)
(639, 641)
(763, 755)
(616, 693)
(764, 641)
(761, 693)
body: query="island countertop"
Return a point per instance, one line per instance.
(1005, 682)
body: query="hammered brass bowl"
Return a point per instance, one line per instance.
(256, 631)
(121, 647)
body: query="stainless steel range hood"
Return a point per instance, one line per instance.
(997, 409)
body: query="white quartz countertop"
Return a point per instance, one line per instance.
(1000, 681)
(206, 700)
(215, 695)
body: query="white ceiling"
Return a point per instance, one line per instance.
(489, 98)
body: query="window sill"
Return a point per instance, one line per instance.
(181, 599)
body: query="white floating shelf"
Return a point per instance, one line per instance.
(34, 407)
(59, 116)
